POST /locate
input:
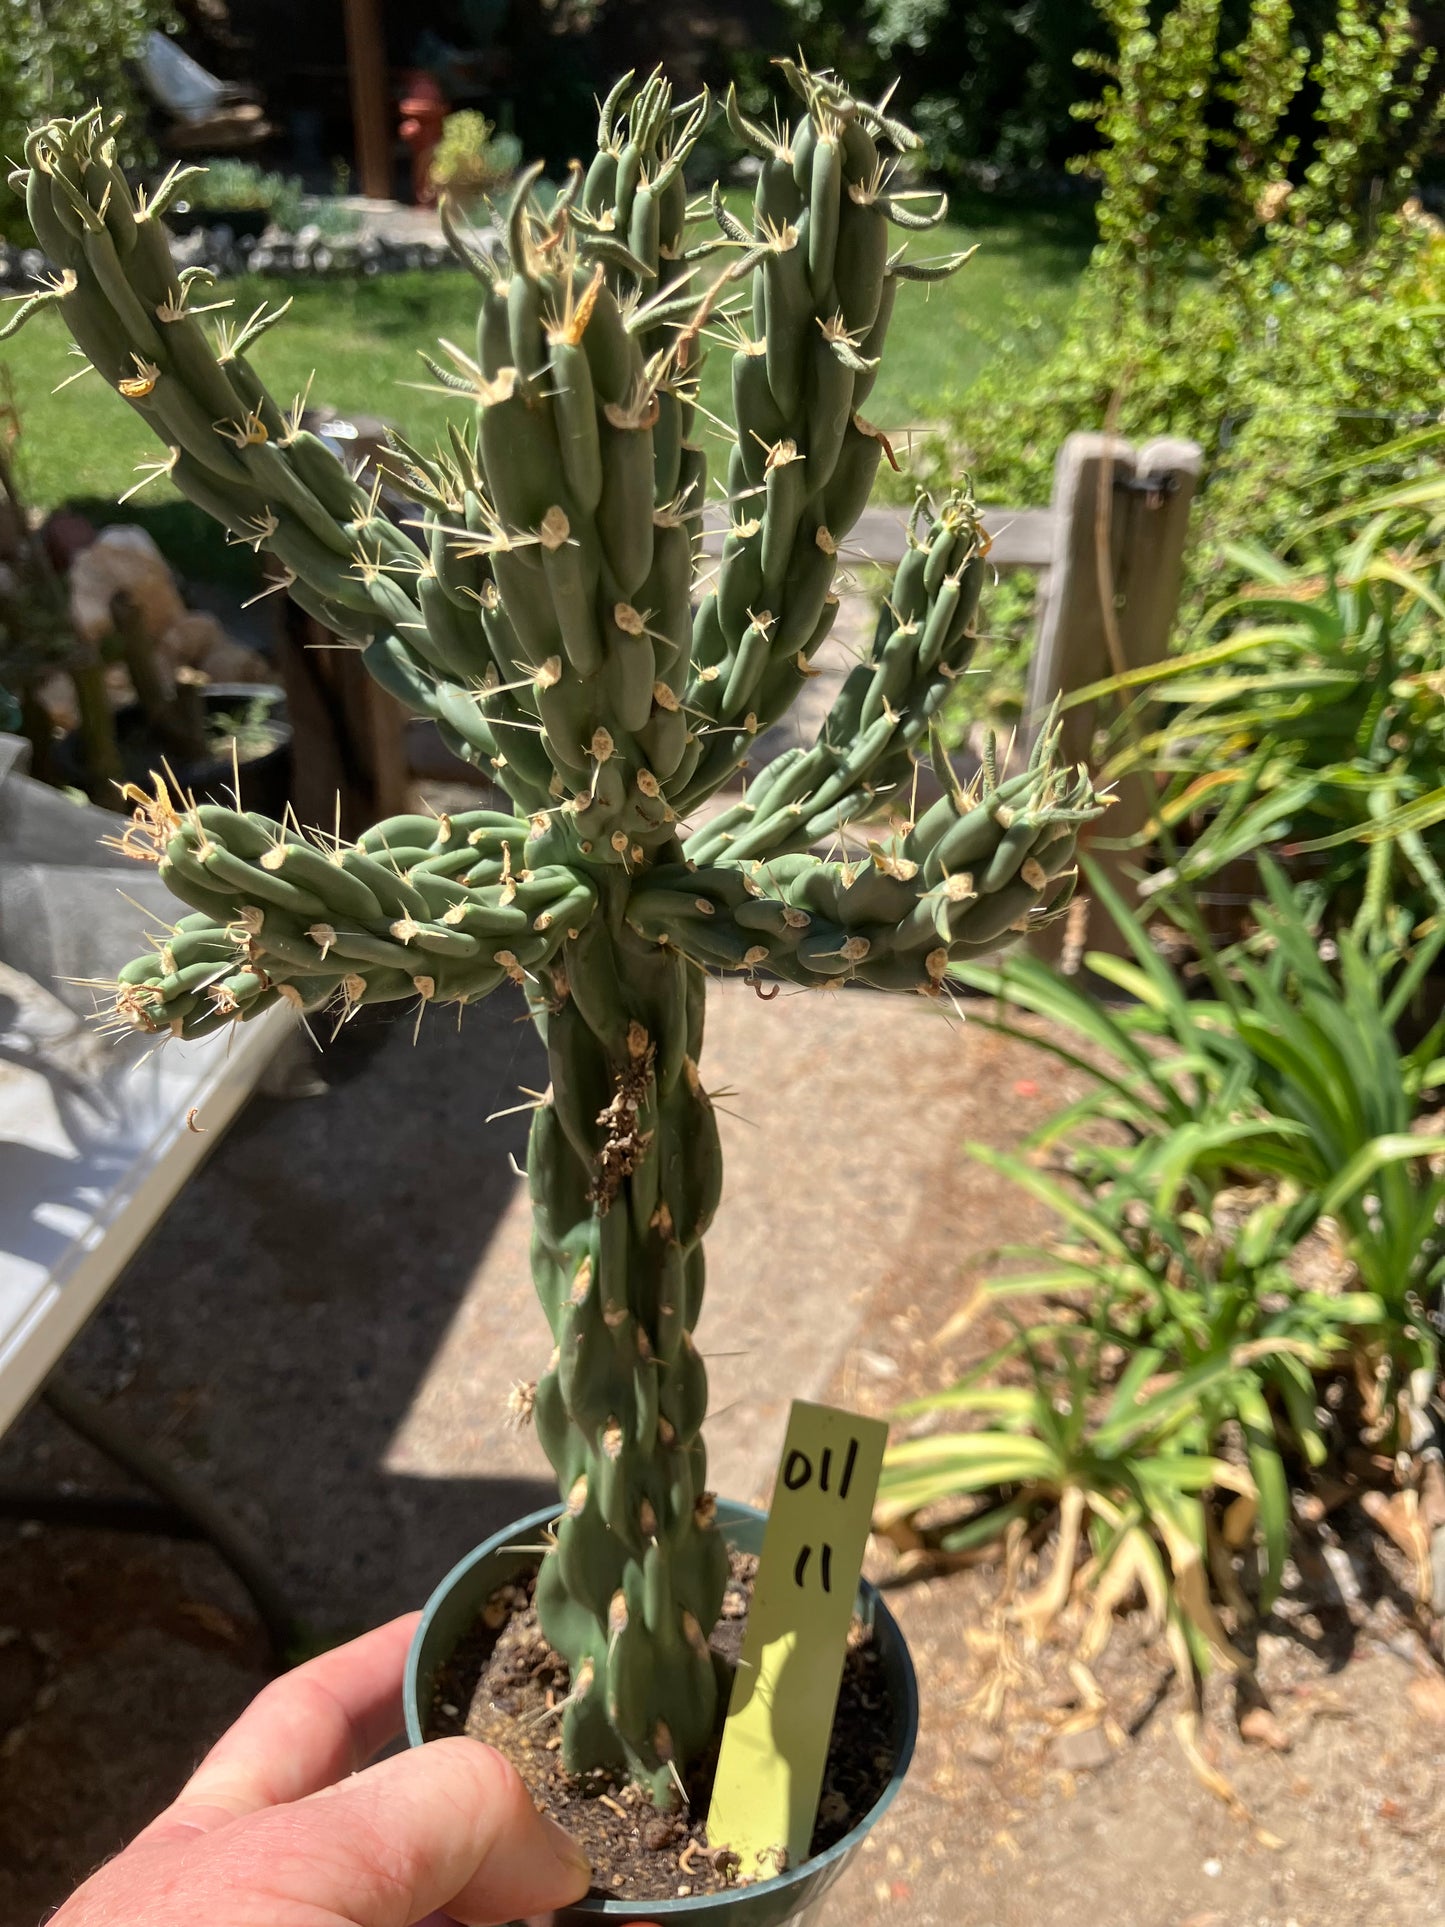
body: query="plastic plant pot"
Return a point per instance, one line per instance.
(791, 1898)
(265, 779)
(244, 222)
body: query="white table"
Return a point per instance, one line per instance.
(85, 1175)
(96, 1134)
(94, 1141)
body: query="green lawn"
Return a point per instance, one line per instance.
(361, 339)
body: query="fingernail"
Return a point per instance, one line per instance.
(567, 1849)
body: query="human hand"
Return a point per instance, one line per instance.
(278, 1827)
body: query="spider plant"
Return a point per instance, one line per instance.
(1212, 1297)
(1290, 1072)
(1123, 1474)
(1176, 1348)
(1315, 727)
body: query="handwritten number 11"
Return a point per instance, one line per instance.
(825, 1563)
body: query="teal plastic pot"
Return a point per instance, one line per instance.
(793, 1897)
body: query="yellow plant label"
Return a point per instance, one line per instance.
(780, 1716)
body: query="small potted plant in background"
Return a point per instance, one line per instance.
(220, 741)
(551, 609)
(237, 194)
(472, 161)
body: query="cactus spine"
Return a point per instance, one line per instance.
(550, 610)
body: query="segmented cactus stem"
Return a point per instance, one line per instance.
(548, 606)
(625, 1170)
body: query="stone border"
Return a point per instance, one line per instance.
(284, 256)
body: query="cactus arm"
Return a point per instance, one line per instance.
(588, 483)
(924, 637)
(976, 869)
(436, 908)
(804, 460)
(258, 472)
(130, 312)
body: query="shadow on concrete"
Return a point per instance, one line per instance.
(273, 1331)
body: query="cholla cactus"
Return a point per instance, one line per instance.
(550, 610)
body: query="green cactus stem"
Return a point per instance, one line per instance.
(550, 608)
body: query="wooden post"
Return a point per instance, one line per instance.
(370, 97)
(350, 762)
(1122, 517)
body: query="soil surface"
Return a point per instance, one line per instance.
(324, 1327)
(506, 1687)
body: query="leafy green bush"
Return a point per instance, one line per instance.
(58, 60)
(1285, 320)
(1198, 152)
(993, 86)
(1281, 380)
(232, 185)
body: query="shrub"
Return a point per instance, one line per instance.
(992, 86)
(1281, 372)
(56, 60)
(1284, 320)
(238, 186)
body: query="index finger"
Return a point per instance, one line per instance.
(305, 1731)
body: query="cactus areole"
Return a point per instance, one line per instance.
(549, 606)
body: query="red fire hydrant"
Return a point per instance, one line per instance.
(423, 109)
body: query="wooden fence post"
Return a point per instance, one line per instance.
(370, 101)
(1122, 517)
(349, 767)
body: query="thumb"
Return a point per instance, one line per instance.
(447, 1825)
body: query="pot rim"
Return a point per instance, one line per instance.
(875, 1607)
(272, 693)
